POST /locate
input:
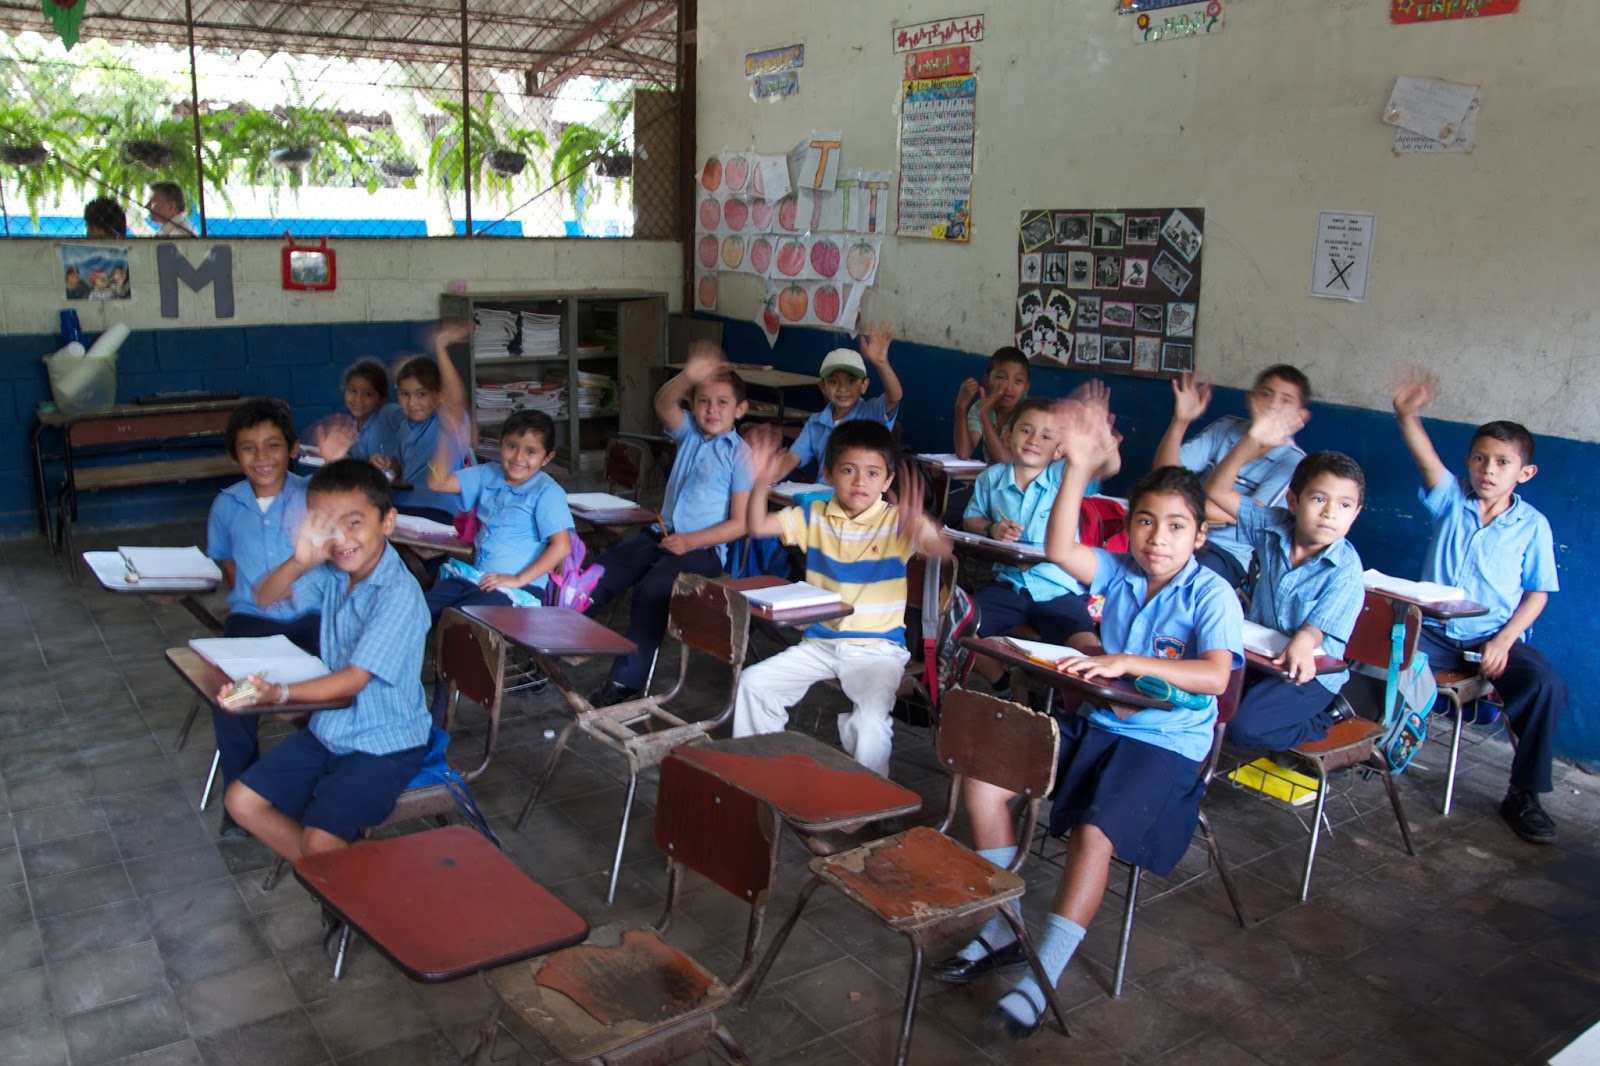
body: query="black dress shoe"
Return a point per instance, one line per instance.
(231, 830)
(610, 694)
(1527, 819)
(958, 971)
(1002, 1022)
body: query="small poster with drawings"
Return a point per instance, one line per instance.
(1116, 288)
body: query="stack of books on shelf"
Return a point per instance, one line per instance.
(541, 335)
(595, 392)
(493, 333)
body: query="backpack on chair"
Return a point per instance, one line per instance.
(572, 584)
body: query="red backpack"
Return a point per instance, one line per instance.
(1103, 523)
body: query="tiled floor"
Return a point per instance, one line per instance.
(127, 934)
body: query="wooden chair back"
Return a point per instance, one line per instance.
(624, 462)
(722, 833)
(710, 618)
(1227, 707)
(471, 660)
(1370, 640)
(993, 740)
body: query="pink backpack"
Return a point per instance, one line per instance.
(571, 585)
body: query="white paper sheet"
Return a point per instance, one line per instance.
(1343, 255)
(598, 501)
(1424, 591)
(170, 564)
(792, 597)
(275, 658)
(1430, 107)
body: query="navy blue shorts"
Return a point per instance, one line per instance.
(1276, 714)
(1145, 798)
(1002, 608)
(459, 592)
(339, 794)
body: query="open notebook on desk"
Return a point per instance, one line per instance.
(599, 501)
(111, 570)
(422, 527)
(952, 463)
(794, 596)
(169, 564)
(1029, 551)
(1264, 640)
(275, 658)
(1051, 655)
(1421, 591)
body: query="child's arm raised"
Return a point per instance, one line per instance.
(1191, 396)
(452, 391)
(1268, 429)
(453, 413)
(769, 461)
(705, 362)
(1415, 392)
(875, 346)
(965, 442)
(1085, 439)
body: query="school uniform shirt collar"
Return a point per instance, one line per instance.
(871, 516)
(245, 493)
(525, 488)
(388, 572)
(1139, 582)
(1331, 556)
(1509, 517)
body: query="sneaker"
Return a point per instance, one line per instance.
(1527, 819)
(611, 693)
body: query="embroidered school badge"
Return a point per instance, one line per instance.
(1169, 648)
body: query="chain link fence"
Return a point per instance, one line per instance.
(392, 119)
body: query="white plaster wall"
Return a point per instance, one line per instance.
(1484, 264)
(379, 280)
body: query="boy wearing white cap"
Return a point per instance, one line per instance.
(843, 381)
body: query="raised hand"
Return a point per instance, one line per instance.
(1272, 426)
(334, 436)
(1085, 433)
(875, 342)
(1414, 391)
(705, 362)
(766, 452)
(451, 331)
(318, 534)
(1191, 396)
(1095, 393)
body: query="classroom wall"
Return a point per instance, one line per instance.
(1481, 263)
(292, 345)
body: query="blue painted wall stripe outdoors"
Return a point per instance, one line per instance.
(303, 364)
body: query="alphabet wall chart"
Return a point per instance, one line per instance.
(1115, 289)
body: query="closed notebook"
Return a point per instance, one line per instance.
(1422, 591)
(792, 597)
(1265, 641)
(422, 527)
(961, 536)
(598, 501)
(275, 658)
(169, 564)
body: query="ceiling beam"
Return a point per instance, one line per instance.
(585, 62)
(570, 43)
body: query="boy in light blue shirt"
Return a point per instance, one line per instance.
(1264, 479)
(250, 532)
(1011, 502)
(1309, 585)
(704, 509)
(1497, 547)
(322, 786)
(843, 381)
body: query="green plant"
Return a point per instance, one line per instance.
(120, 153)
(584, 148)
(294, 145)
(495, 145)
(32, 149)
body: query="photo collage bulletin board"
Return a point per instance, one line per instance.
(1116, 290)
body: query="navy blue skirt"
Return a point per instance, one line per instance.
(1145, 798)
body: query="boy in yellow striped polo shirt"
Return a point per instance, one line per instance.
(855, 544)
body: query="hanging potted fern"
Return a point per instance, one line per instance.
(501, 152)
(31, 147)
(584, 147)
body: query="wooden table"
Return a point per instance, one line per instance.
(995, 551)
(554, 636)
(796, 618)
(1441, 609)
(101, 565)
(448, 543)
(1326, 664)
(813, 787)
(1119, 694)
(441, 904)
(616, 516)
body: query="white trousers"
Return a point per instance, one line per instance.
(869, 674)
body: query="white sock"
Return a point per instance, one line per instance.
(1061, 938)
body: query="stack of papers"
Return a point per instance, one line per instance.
(541, 334)
(492, 333)
(1423, 591)
(951, 462)
(792, 597)
(275, 658)
(598, 501)
(1052, 655)
(165, 565)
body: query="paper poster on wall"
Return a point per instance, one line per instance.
(964, 29)
(1343, 255)
(1466, 139)
(705, 291)
(814, 162)
(775, 86)
(1179, 22)
(1433, 108)
(1408, 11)
(866, 203)
(938, 63)
(938, 130)
(1118, 290)
(96, 272)
(811, 303)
